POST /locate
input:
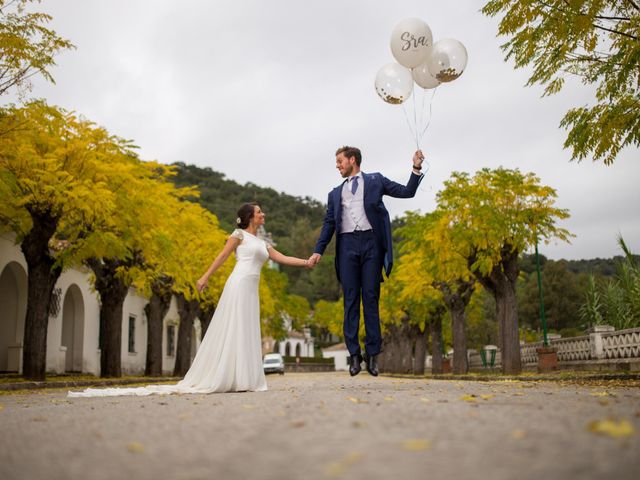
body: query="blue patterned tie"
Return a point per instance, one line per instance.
(354, 185)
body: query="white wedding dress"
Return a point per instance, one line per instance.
(230, 356)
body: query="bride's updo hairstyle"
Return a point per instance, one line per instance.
(245, 214)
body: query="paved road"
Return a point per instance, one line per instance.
(328, 425)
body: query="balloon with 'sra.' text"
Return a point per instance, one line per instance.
(410, 42)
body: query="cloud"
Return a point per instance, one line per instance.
(266, 91)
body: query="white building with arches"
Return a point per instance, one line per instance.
(73, 327)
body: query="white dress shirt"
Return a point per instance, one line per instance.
(353, 214)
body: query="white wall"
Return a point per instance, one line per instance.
(83, 307)
(339, 358)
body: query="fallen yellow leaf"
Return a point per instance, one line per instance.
(424, 400)
(602, 394)
(249, 407)
(353, 458)
(416, 444)
(486, 396)
(1, 407)
(357, 400)
(339, 468)
(135, 447)
(388, 399)
(335, 469)
(518, 434)
(612, 428)
(468, 398)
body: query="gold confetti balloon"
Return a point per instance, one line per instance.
(447, 60)
(394, 83)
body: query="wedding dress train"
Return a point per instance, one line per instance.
(230, 356)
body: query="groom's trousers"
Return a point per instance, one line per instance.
(360, 264)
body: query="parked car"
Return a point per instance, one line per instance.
(273, 362)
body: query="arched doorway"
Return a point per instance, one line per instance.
(276, 347)
(73, 328)
(13, 298)
(298, 350)
(287, 350)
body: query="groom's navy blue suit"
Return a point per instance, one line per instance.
(361, 255)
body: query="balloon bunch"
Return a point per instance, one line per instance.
(420, 61)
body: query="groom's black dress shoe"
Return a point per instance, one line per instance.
(371, 363)
(354, 364)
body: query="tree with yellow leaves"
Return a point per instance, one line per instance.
(27, 46)
(432, 263)
(54, 196)
(598, 42)
(489, 220)
(193, 233)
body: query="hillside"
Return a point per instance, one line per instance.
(223, 197)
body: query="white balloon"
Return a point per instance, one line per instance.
(394, 83)
(410, 42)
(423, 77)
(447, 59)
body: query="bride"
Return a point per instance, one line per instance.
(230, 356)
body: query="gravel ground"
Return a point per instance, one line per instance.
(328, 425)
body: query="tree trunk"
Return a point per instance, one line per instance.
(393, 350)
(457, 296)
(501, 282)
(113, 291)
(435, 331)
(422, 337)
(156, 310)
(205, 314)
(188, 310)
(508, 318)
(406, 344)
(42, 277)
(460, 363)
(385, 356)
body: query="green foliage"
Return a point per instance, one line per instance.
(596, 40)
(27, 47)
(482, 327)
(563, 294)
(615, 301)
(223, 197)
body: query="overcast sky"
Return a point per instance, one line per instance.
(265, 91)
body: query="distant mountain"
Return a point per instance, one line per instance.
(223, 197)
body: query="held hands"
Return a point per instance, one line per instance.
(418, 158)
(313, 260)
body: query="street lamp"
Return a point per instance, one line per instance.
(543, 318)
(547, 356)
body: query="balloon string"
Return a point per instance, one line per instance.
(415, 119)
(406, 116)
(424, 96)
(430, 114)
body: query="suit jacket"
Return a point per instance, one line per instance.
(375, 186)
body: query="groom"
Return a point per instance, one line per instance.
(363, 246)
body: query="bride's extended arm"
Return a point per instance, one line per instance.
(229, 247)
(278, 257)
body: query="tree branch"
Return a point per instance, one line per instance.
(616, 32)
(634, 5)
